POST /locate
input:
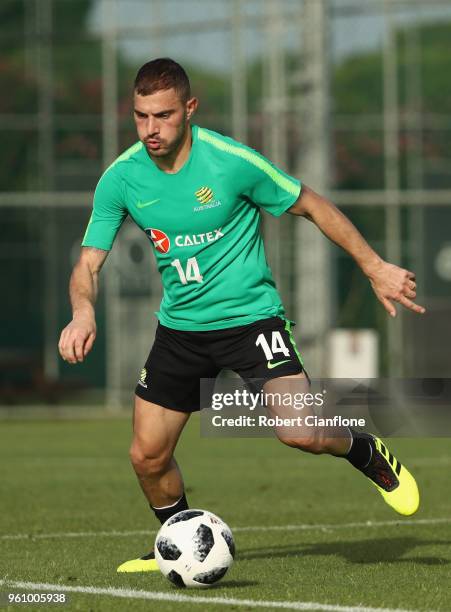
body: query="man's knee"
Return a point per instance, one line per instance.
(149, 459)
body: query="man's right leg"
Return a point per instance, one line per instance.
(156, 431)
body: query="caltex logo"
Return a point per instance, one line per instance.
(160, 240)
(204, 195)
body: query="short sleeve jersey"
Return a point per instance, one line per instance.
(204, 226)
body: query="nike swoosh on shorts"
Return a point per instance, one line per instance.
(274, 365)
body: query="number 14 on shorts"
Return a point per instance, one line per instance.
(277, 345)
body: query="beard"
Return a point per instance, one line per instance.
(164, 148)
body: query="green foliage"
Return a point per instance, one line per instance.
(70, 16)
(357, 84)
(435, 66)
(12, 14)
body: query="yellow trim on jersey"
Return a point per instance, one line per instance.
(126, 154)
(253, 158)
(122, 157)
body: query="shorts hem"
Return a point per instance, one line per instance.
(282, 373)
(149, 398)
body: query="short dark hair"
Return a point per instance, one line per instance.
(162, 73)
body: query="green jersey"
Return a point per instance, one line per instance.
(204, 224)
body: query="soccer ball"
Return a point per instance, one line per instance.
(194, 548)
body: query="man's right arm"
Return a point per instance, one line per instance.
(78, 337)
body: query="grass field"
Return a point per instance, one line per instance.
(71, 511)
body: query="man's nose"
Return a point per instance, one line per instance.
(152, 126)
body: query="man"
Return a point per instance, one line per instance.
(197, 195)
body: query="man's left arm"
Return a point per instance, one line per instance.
(389, 282)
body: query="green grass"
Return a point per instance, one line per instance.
(74, 476)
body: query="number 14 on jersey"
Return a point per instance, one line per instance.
(191, 274)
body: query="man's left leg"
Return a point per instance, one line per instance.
(364, 451)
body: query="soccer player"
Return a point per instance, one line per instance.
(197, 195)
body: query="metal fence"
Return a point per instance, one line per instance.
(351, 97)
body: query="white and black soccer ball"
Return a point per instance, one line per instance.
(194, 548)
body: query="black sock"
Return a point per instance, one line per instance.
(361, 450)
(163, 514)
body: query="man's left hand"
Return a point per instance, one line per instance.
(393, 284)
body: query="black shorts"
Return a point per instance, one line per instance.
(179, 359)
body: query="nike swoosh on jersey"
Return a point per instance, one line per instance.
(278, 363)
(144, 204)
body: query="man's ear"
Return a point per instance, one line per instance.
(191, 107)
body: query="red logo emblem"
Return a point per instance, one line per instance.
(160, 240)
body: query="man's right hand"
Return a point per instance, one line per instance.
(77, 339)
